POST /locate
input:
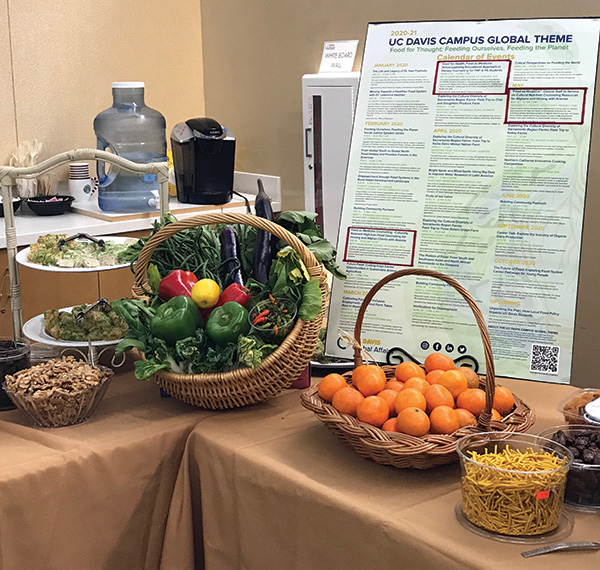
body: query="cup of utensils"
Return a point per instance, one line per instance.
(81, 185)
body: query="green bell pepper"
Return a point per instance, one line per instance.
(228, 322)
(178, 318)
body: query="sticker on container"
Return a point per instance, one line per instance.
(542, 495)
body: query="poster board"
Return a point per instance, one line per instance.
(469, 156)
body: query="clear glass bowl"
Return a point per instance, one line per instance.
(267, 331)
(14, 356)
(572, 407)
(583, 480)
(516, 498)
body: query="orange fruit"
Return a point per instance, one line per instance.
(504, 401)
(394, 385)
(406, 370)
(410, 398)
(369, 379)
(438, 361)
(391, 425)
(472, 399)
(346, 399)
(413, 421)
(496, 415)
(471, 376)
(389, 396)
(329, 385)
(437, 395)
(444, 419)
(432, 377)
(417, 383)
(465, 417)
(373, 410)
(454, 381)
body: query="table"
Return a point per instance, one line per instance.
(270, 487)
(95, 495)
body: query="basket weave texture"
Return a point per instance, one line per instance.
(243, 386)
(406, 451)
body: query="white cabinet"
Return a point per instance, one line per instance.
(328, 101)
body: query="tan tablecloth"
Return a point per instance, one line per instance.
(95, 495)
(271, 487)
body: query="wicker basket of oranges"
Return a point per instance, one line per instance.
(411, 415)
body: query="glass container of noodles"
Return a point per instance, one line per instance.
(513, 484)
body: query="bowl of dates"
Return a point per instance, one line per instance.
(583, 479)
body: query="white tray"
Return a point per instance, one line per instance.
(33, 329)
(21, 258)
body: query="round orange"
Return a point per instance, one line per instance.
(438, 361)
(496, 415)
(432, 377)
(444, 419)
(410, 398)
(471, 376)
(504, 401)
(389, 396)
(394, 385)
(454, 381)
(373, 410)
(413, 421)
(437, 395)
(465, 417)
(369, 379)
(346, 399)
(391, 425)
(417, 383)
(329, 385)
(472, 399)
(408, 369)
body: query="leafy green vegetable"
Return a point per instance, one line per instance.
(312, 300)
(303, 226)
(198, 354)
(153, 278)
(252, 350)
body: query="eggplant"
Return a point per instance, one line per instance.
(263, 252)
(231, 265)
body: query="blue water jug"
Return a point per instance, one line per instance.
(134, 131)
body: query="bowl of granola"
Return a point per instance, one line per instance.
(59, 392)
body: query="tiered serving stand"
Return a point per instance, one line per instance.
(34, 328)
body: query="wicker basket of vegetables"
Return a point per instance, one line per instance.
(227, 308)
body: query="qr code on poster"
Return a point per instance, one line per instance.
(544, 358)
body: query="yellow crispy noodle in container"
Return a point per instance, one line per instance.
(513, 484)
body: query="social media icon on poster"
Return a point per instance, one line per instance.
(449, 347)
(462, 349)
(424, 345)
(437, 346)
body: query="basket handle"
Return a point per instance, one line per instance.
(490, 387)
(140, 286)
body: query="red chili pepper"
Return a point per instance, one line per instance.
(176, 283)
(275, 329)
(259, 320)
(263, 313)
(234, 292)
(272, 299)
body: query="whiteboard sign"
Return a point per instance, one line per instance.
(338, 56)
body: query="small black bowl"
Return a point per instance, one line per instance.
(49, 205)
(16, 203)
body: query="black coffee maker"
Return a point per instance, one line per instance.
(203, 157)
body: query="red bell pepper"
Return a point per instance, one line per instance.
(234, 292)
(176, 283)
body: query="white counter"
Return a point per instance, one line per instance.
(30, 226)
